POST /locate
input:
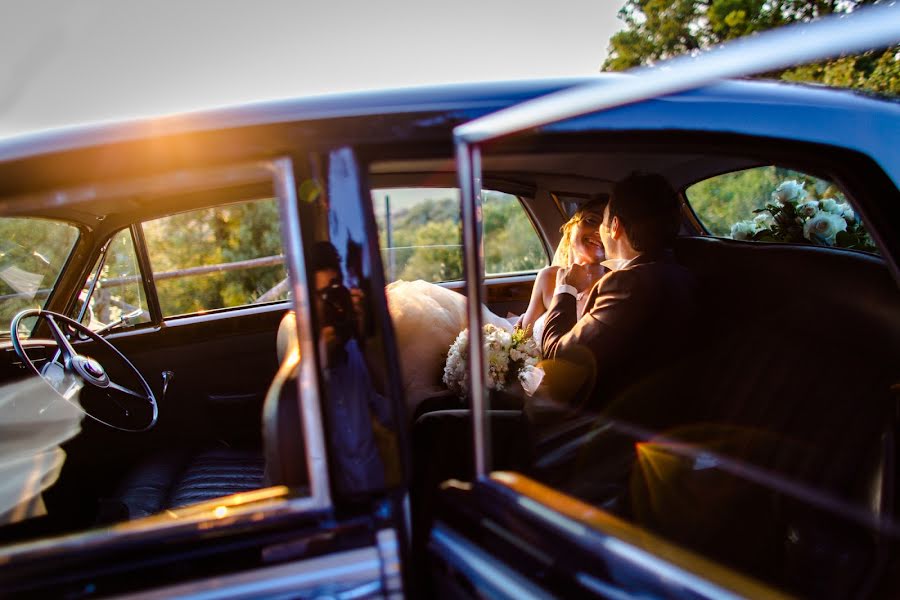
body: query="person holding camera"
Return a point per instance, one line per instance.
(352, 405)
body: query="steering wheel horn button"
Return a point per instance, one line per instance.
(91, 370)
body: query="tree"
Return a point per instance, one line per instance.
(660, 29)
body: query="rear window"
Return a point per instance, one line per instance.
(778, 205)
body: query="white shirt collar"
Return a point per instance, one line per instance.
(615, 264)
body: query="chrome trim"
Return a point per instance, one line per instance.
(350, 574)
(220, 513)
(389, 554)
(307, 382)
(639, 556)
(863, 29)
(227, 313)
(468, 160)
(491, 577)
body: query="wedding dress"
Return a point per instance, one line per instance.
(34, 421)
(427, 318)
(537, 329)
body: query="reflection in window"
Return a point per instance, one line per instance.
(32, 255)
(118, 292)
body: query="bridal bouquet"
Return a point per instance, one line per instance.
(795, 215)
(511, 356)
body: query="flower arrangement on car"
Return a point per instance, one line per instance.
(511, 356)
(794, 215)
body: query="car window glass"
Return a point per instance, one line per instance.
(774, 204)
(118, 293)
(216, 258)
(420, 237)
(32, 255)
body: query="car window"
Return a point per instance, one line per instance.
(33, 253)
(215, 258)
(114, 291)
(420, 237)
(774, 204)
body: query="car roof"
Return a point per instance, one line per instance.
(65, 159)
(480, 98)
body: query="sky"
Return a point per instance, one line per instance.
(65, 62)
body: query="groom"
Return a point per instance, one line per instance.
(638, 313)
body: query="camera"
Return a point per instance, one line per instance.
(337, 310)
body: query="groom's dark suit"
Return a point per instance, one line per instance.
(633, 323)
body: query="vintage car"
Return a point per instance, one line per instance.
(213, 388)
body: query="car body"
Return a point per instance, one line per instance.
(761, 462)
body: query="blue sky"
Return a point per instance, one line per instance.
(93, 60)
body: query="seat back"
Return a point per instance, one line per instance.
(790, 373)
(283, 444)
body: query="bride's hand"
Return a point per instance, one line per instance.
(578, 276)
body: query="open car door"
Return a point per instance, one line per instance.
(610, 507)
(292, 531)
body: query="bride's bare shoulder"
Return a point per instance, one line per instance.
(546, 282)
(547, 274)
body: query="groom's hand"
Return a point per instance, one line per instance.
(577, 276)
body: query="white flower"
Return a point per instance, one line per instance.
(789, 191)
(507, 355)
(832, 206)
(808, 209)
(530, 377)
(763, 220)
(743, 230)
(847, 213)
(823, 228)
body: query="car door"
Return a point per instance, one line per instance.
(208, 286)
(575, 521)
(304, 528)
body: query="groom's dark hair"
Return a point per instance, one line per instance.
(648, 209)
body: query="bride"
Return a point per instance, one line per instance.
(580, 244)
(427, 317)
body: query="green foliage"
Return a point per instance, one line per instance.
(722, 201)
(427, 239)
(33, 253)
(770, 204)
(660, 29)
(215, 236)
(510, 241)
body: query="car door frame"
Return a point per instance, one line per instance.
(259, 543)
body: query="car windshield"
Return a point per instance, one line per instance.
(32, 255)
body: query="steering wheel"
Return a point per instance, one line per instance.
(68, 369)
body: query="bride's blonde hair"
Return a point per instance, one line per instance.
(563, 255)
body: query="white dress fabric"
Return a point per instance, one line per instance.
(537, 329)
(427, 318)
(34, 420)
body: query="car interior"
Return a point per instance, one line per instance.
(799, 414)
(785, 390)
